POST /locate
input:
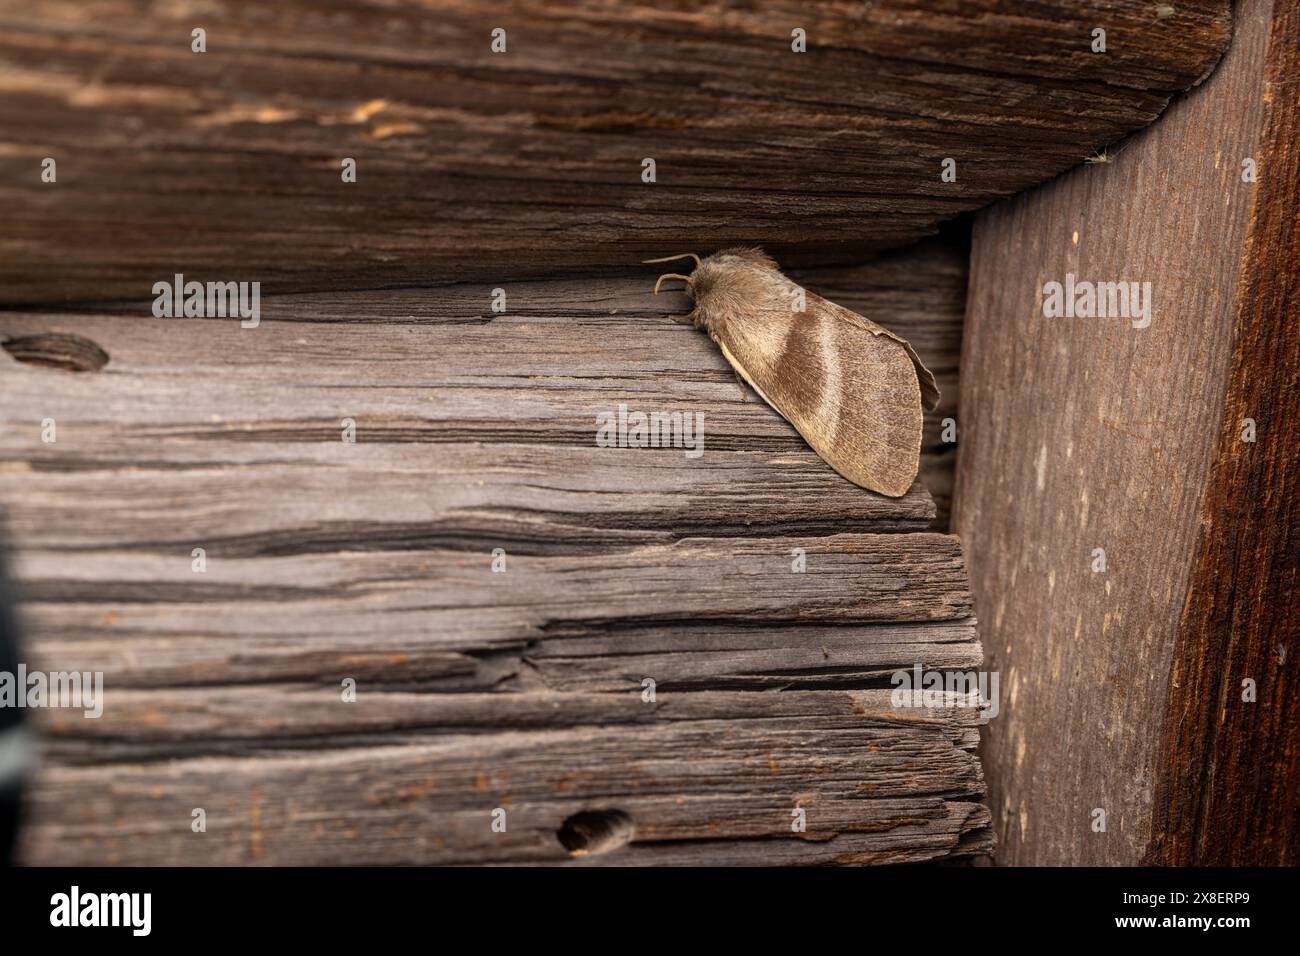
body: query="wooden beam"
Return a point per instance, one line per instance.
(227, 164)
(1084, 435)
(1228, 780)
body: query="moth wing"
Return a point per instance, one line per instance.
(849, 387)
(930, 394)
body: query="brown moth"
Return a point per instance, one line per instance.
(852, 389)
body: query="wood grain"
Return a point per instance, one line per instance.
(1087, 433)
(471, 412)
(706, 778)
(1228, 784)
(476, 690)
(226, 164)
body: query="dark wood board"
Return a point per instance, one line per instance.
(1124, 686)
(1228, 781)
(226, 165)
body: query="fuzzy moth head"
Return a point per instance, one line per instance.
(724, 283)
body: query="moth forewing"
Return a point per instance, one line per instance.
(740, 369)
(851, 393)
(925, 378)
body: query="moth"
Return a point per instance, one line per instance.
(852, 389)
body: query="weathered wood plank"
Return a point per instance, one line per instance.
(147, 619)
(875, 788)
(227, 163)
(1087, 433)
(164, 722)
(459, 411)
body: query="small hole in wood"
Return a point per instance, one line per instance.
(595, 831)
(73, 353)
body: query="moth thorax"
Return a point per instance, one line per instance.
(717, 293)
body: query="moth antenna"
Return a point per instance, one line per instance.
(671, 275)
(684, 255)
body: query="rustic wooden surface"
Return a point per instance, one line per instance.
(708, 777)
(226, 164)
(1086, 433)
(476, 690)
(1228, 790)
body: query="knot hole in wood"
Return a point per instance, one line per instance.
(595, 831)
